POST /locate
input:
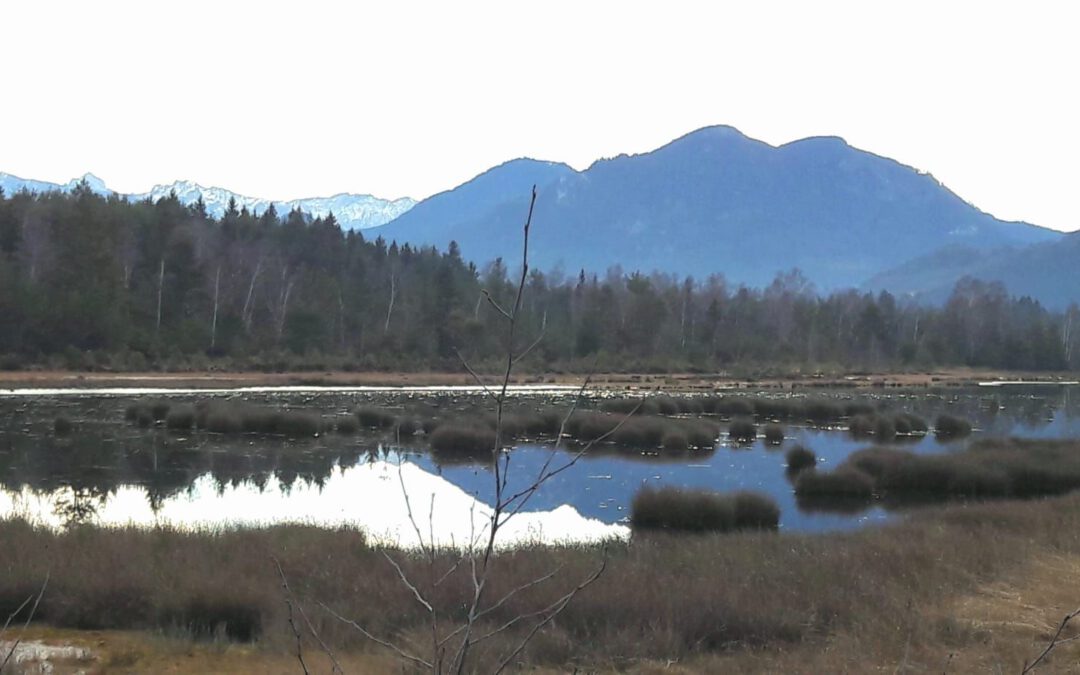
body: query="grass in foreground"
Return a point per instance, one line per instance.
(745, 599)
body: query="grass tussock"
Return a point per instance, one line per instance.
(453, 439)
(375, 418)
(642, 431)
(742, 431)
(63, 426)
(951, 426)
(677, 509)
(990, 469)
(800, 458)
(774, 433)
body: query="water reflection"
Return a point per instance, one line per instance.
(111, 473)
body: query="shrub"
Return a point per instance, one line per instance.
(950, 426)
(742, 430)
(800, 458)
(181, 418)
(774, 434)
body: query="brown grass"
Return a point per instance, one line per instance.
(737, 599)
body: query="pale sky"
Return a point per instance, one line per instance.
(302, 99)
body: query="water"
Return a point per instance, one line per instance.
(112, 473)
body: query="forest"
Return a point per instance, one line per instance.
(92, 282)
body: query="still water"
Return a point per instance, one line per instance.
(111, 473)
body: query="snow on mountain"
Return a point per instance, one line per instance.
(352, 211)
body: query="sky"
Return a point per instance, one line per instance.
(287, 100)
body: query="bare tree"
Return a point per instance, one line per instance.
(452, 643)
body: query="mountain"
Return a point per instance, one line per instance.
(352, 211)
(714, 201)
(1045, 271)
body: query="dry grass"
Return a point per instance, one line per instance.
(745, 601)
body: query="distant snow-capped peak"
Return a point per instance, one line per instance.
(352, 211)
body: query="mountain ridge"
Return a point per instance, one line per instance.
(352, 210)
(717, 201)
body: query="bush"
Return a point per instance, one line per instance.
(950, 426)
(685, 510)
(800, 458)
(774, 434)
(742, 430)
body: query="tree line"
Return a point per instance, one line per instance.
(88, 281)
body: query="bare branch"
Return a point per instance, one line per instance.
(475, 377)
(26, 624)
(534, 345)
(389, 645)
(1054, 642)
(494, 304)
(408, 584)
(292, 623)
(552, 610)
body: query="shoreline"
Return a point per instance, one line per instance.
(672, 382)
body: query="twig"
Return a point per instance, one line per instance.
(1054, 642)
(379, 641)
(555, 609)
(292, 623)
(26, 624)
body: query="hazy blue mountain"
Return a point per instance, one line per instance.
(715, 201)
(1046, 271)
(438, 219)
(352, 211)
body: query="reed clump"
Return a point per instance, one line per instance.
(742, 431)
(800, 458)
(685, 510)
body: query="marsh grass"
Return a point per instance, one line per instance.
(664, 597)
(988, 469)
(774, 434)
(742, 431)
(800, 458)
(679, 509)
(951, 426)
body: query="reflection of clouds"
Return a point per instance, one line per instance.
(368, 496)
